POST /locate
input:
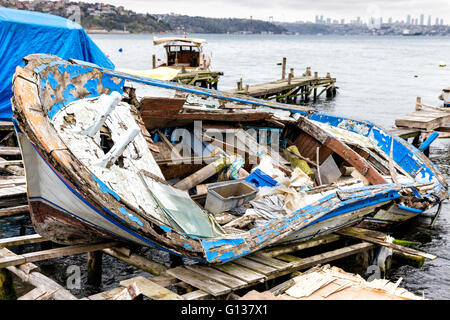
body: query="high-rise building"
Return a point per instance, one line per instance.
(358, 20)
(328, 20)
(422, 19)
(429, 21)
(442, 22)
(342, 21)
(408, 19)
(436, 22)
(390, 21)
(317, 19)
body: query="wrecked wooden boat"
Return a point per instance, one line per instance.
(94, 171)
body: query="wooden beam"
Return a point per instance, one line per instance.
(340, 148)
(17, 241)
(151, 290)
(14, 211)
(52, 253)
(137, 261)
(365, 235)
(29, 274)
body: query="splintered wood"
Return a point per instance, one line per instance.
(332, 283)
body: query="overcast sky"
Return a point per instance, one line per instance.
(292, 10)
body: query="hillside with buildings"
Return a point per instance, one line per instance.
(102, 17)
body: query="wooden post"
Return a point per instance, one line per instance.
(316, 75)
(7, 291)
(315, 94)
(289, 79)
(418, 103)
(246, 88)
(94, 268)
(283, 69)
(154, 61)
(328, 75)
(308, 71)
(292, 72)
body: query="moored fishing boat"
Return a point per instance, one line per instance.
(184, 61)
(95, 172)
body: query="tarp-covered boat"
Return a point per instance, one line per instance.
(25, 32)
(95, 172)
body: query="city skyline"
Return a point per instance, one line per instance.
(291, 10)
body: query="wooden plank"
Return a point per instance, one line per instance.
(221, 277)
(106, 295)
(292, 247)
(53, 253)
(304, 263)
(16, 241)
(137, 261)
(196, 295)
(273, 263)
(240, 272)
(365, 235)
(255, 266)
(348, 154)
(14, 211)
(428, 120)
(10, 151)
(199, 281)
(150, 289)
(29, 273)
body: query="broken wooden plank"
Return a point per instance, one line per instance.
(241, 273)
(150, 289)
(365, 235)
(199, 281)
(221, 277)
(340, 148)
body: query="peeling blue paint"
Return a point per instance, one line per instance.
(165, 228)
(234, 244)
(104, 188)
(52, 81)
(130, 216)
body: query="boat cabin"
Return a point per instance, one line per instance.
(184, 52)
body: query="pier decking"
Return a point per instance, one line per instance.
(290, 89)
(426, 118)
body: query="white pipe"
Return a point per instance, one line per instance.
(119, 147)
(108, 103)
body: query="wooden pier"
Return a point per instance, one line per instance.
(195, 281)
(291, 89)
(425, 119)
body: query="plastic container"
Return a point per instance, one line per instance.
(259, 179)
(227, 195)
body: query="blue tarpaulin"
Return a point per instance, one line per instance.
(26, 32)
